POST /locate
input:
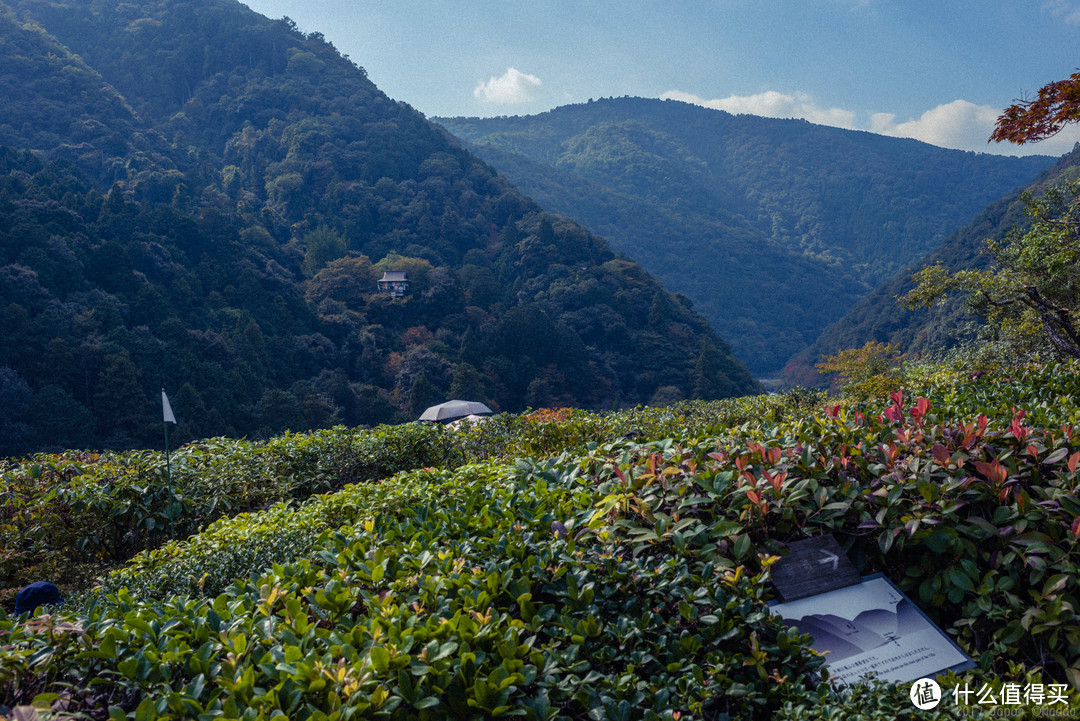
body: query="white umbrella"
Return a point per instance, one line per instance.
(453, 409)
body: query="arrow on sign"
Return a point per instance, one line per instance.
(830, 557)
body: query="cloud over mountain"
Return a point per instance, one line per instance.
(966, 126)
(959, 124)
(512, 88)
(772, 104)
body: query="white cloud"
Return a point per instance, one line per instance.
(772, 104)
(967, 126)
(512, 88)
(959, 124)
(1066, 10)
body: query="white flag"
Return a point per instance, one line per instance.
(166, 409)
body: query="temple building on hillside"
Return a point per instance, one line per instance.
(395, 282)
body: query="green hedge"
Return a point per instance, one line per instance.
(465, 606)
(59, 511)
(72, 516)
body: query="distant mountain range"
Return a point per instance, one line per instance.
(196, 197)
(772, 228)
(879, 317)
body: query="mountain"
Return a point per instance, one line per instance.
(879, 317)
(198, 198)
(772, 228)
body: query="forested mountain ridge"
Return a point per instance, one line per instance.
(917, 331)
(194, 196)
(53, 101)
(773, 228)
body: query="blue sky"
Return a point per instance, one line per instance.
(940, 71)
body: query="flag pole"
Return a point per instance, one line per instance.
(168, 417)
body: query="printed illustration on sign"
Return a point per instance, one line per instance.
(872, 627)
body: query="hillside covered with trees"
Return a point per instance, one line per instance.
(198, 198)
(772, 228)
(920, 330)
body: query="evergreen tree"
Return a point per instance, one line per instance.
(323, 245)
(279, 411)
(468, 383)
(119, 400)
(469, 351)
(710, 383)
(15, 401)
(60, 420)
(539, 394)
(660, 312)
(421, 395)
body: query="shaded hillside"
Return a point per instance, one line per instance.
(53, 101)
(208, 208)
(773, 228)
(880, 317)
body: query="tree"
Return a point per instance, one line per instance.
(1032, 290)
(278, 411)
(469, 350)
(16, 435)
(421, 395)
(322, 246)
(866, 373)
(665, 396)
(468, 383)
(119, 403)
(60, 420)
(1029, 121)
(710, 382)
(660, 313)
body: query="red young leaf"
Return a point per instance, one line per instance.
(993, 471)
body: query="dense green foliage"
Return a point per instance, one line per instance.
(73, 515)
(773, 228)
(920, 330)
(1030, 295)
(625, 579)
(199, 198)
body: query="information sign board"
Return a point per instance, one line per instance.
(873, 627)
